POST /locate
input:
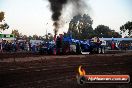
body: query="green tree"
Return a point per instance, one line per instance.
(105, 31)
(25, 37)
(3, 26)
(35, 37)
(16, 33)
(81, 26)
(127, 27)
(102, 31)
(1, 16)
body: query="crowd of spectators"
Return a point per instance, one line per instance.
(24, 46)
(15, 46)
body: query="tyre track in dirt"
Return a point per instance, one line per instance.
(59, 72)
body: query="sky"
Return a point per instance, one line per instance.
(34, 16)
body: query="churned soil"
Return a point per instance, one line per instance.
(60, 71)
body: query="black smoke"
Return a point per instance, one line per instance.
(57, 6)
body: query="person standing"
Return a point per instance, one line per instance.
(113, 45)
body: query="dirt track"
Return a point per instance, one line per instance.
(60, 71)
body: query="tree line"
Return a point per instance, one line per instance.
(80, 27)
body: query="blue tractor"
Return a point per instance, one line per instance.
(67, 45)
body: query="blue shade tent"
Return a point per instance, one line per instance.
(116, 39)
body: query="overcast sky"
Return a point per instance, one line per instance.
(31, 16)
